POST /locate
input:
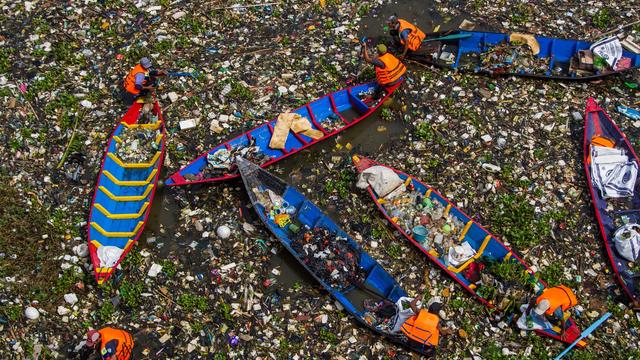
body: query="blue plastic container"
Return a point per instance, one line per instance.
(420, 233)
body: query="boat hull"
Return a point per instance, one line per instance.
(486, 245)
(597, 122)
(377, 281)
(122, 197)
(558, 52)
(320, 112)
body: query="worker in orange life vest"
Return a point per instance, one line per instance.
(389, 70)
(553, 303)
(141, 80)
(423, 327)
(115, 344)
(408, 35)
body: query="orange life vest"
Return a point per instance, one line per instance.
(125, 342)
(393, 69)
(130, 80)
(415, 36)
(559, 296)
(602, 141)
(422, 328)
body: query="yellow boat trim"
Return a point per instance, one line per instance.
(159, 138)
(472, 286)
(117, 160)
(126, 197)
(408, 181)
(130, 182)
(117, 233)
(153, 126)
(434, 252)
(465, 230)
(104, 270)
(382, 201)
(109, 215)
(96, 243)
(446, 211)
(428, 193)
(506, 257)
(473, 258)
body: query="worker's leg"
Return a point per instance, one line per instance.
(128, 98)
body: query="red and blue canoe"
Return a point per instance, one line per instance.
(598, 123)
(123, 195)
(330, 114)
(486, 246)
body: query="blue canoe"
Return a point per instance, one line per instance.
(330, 114)
(598, 123)
(123, 195)
(468, 48)
(378, 283)
(486, 246)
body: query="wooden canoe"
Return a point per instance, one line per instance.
(598, 123)
(123, 194)
(377, 282)
(464, 51)
(487, 247)
(330, 114)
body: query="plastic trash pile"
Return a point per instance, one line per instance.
(138, 144)
(329, 256)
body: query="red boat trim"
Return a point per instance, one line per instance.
(313, 120)
(177, 178)
(303, 141)
(92, 249)
(432, 258)
(593, 107)
(389, 92)
(335, 109)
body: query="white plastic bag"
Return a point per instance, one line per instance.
(384, 181)
(627, 241)
(403, 312)
(109, 255)
(460, 253)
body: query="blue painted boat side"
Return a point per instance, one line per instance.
(320, 112)
(123, 195)
(377, 280)
(597, 122)
(560, 51)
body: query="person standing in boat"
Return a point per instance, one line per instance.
(389, 70)
(408, 35)
(552, 304)
(141, 80)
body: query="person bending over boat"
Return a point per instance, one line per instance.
(115, 344)
(140, 81)
(389, 70)
(408, 35)
(405, 317)
(553, 303)
(423, 327)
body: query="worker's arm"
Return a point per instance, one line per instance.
(365, 54)
(414, 304)
(531, 304)
(406, 48)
